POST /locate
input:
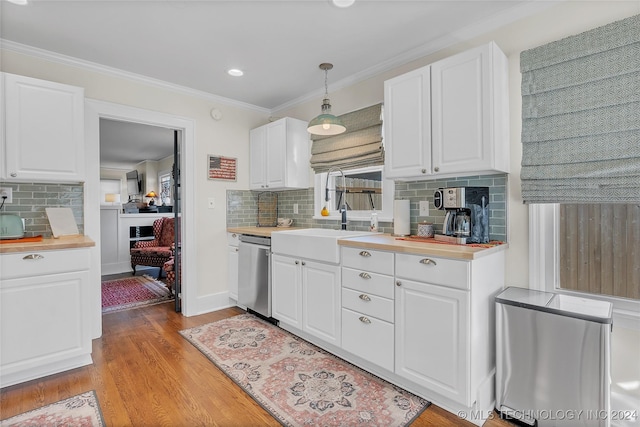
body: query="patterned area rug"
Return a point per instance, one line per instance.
(131, 292)
(298, 383)
(82, 410)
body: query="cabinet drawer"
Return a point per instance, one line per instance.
(439, 271)
(368, 260)
(371, 339)
(371, 283)
(37, 263)
(367, 304)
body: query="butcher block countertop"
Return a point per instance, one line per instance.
(48, 244)
(387, 242)
(260, 231)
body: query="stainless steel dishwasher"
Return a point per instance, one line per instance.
(254, 274)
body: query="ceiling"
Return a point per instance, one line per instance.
(279, 44)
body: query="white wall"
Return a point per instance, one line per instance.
(228, 137)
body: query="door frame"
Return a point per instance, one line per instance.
(94, 111)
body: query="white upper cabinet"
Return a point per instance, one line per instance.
(465, 131)
(279, 155)
(44, 131)
(407, 134)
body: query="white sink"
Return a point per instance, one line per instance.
(318, 244)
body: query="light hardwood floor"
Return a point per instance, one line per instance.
(146, 374)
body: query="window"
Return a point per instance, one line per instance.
(591, 250)
(366, 191)
(164, 178)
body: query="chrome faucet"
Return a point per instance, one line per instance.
(344, 194)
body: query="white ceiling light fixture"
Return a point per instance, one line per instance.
(235, 72)
(343, 3)
(326, 123)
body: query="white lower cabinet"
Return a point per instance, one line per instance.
(45, 319)
(306, 296)
(432, 337)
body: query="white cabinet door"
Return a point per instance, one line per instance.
(432, 343)
(286, 288)
(276, 154)
(44, 136)
(407, 124)
(321, 301)
(257, 163)
(468, 114)
(232, 268)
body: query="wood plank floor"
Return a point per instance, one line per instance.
(146, 374)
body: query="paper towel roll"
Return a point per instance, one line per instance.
(401, 218)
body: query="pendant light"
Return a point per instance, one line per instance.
(326, 123)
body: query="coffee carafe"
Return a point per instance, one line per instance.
(457, 222)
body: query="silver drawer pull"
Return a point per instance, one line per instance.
(364, 297)
(33, 256)
(427, 261)
(365, 253)
(364, 275)
(364, 319)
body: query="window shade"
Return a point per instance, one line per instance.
(360, 146)
(581, 117)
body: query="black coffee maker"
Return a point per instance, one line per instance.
(467, 214)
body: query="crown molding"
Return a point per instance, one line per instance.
(115, 72)
(484, 26)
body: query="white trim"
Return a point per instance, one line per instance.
(115, 72)
(94, 111)
(544, 264)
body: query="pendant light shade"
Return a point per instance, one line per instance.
(326, 123)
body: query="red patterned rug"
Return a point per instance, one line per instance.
(82, 410)
(132, 292)
(298, 383)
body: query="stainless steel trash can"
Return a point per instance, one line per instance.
(553, 358)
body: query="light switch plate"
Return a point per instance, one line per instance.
(424, 208)
(212, 202)
(295, 208)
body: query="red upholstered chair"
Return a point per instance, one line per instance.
(156, 252)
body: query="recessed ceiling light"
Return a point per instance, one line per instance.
(343, 3)
(235, 72)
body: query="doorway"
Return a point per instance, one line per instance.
(96, 110)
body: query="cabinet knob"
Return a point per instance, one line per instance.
(364, 275)
(33, 256)
(423, 171)
(236, 249)
(398, 283)
(234, 235)
(364, 253)
(364, 319)
(267, 185)
(297, 262)
(304, 263)
(427, 261)
(13, 174)
(364, 297)
(436, 169)
(262, 186)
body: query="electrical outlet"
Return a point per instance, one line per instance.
(212, 202)
(8, 192)
(424, 208)
(295, 208)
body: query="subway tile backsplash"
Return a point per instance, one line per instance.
(31, 199)
(242, 209)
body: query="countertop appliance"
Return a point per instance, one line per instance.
(254, 274)
(553, 358)
(11, 226)
(467, 214)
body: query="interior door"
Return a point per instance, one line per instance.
(177, 209)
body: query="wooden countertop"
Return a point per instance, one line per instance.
(49, 244)
(390, 243)
(260, 231)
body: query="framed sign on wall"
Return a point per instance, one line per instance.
(220, 167)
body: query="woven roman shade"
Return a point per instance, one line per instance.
(581, 117)
(360, 146)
